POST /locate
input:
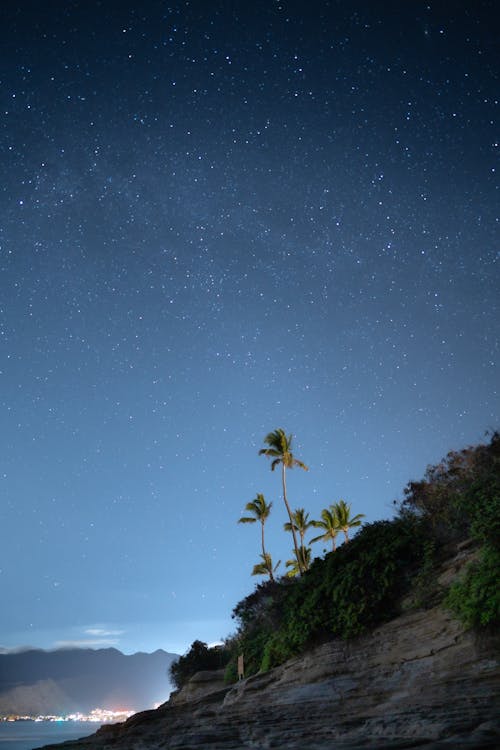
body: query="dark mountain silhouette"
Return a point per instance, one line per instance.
(54, 682)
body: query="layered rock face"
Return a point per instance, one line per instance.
(419, 681)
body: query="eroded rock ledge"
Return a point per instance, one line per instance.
(419, 681)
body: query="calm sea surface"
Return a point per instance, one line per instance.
(25, 735)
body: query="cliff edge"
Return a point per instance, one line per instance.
(419, 681)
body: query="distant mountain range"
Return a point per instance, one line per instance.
(66, 680)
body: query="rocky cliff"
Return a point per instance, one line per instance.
(418, 681)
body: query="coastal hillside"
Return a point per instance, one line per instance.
(34, 682)
(418, 681)
(390, 641)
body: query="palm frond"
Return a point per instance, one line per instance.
(260, 509)
(280, 448)
(342, 511)
(293, 564)
(265, 568)
(260, 570)
(300, 520)
(322, 537)
(330, 526)
(276, 439)
(269, 452)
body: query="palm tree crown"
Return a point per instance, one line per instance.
(330, 526)
(260, 511)
(300, 564)
(266, 568)
(280, 451)
(300, 520)
(259, 508)
(345, 520)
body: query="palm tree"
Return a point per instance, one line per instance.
(260, 512)
(345, 521)
(280, 450)
(301, 522)
(299, 564)
(330, 526)
(265, 568)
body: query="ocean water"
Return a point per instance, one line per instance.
(25, 735)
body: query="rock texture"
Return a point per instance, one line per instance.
(419, 681)
(200, 685)
(416, 682)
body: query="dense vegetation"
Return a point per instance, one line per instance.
(363, 583)
(350, 590)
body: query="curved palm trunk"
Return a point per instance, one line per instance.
(296, 547)
(334, 546)
(271, 576)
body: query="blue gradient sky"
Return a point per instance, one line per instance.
(219, 219)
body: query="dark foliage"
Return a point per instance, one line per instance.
(199, 657)
(349, 591)
(460, 497)
(343, 594)
(258, 616)
(476, 597)
(455, 496)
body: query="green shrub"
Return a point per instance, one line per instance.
(354, 588)
(350, 590)
(259, 615)
(475, 598)
(460, 495)
(483, 506)
(199, 657)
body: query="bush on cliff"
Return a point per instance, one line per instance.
(475, 597)
(361, 584)
(199, 657)
(460, 497)
(344, 594)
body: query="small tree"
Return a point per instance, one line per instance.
(260, 511)
(199, 657)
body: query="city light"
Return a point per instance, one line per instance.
(96, 716)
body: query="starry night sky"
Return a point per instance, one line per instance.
(216, 219)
